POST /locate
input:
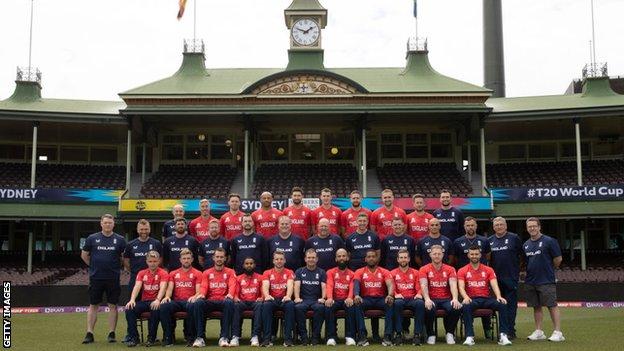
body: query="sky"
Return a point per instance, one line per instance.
(95, 49)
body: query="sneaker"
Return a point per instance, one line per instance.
(190, 342)
(376, 339)
(131, 343)
(234, 342)
(350, 341)
(469, 341)
(254, 341)
(304, 341)
(503, 340)
(362, 342)
(386, 341)
(511, 336)
(450, 339)
(88, 338)
(331, 342)
(537, 335)
(556, 336)
(431, 340)
(223, 342)
(111, 337)
(288, 343)
(398, 340)
(266, 343)
(315, 342)
(199, 342)
(416, 340)
(126, 339)
(150, 343)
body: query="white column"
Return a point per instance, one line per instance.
(469, 162)
(583, 258)
(128, 160)
(363, 167)
(246, 165)
(33, 163)
(30, 252)
(579, 165)
(483, 176)
(143, 164)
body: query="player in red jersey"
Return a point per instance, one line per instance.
(340, 297)
(475, 280)
(277, 290)
(266, 218)
(152, 284)
(199, 226)
(407, 296)
(381, 218)
(373, 288)
(438, 286)
(218, 287)
(299, 214)
(230, 222)
(329, 211)
(348, 220)
(418, 221)
(184, 284)
(248, 297)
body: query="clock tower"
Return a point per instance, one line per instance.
(305, 19)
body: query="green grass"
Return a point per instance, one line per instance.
(584, 329)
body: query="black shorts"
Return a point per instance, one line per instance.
(541, 295)
(98, 287)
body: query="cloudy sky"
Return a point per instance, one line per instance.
(94, 49)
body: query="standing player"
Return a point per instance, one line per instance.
(299, 214)
(329, 211)
(218, 287)
(137, 249)
(392, 244)
(438, 286)
(309, 291)
(230, 222)
(152, 284)
(360, 242)
(248, 244)
(407, 296)
(325, 245)
(505, 260)
(418, 221)
(184, 285)
(340, 297)
(458, 256)
(248, 297)
(199, 226)
(209, 245)
(175, 244)
(381, 219)
(102, 253)
(543, 257)
(291, 245)
(266, 217)
(474, 281)
(169, 226)
(277, 289)
(349, 217)
(373, 288)
(451, 218)
(423, 247)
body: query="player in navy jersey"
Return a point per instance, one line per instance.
(173, 245)
(506, 250)
(325, 244)
(423, 247)
(207, 247)
(543, 256)
(310, 293)
(168, 228)
(291, 245)
(361, 242)
(451, 218)
(392, 244)
(102, 253)
(248, 244)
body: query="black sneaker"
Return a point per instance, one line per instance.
(88, 338)
(131, 343)
(376, 339)
(111, 337)
(362, 342)
(416, 340)
(315, 342)
(386, 341)
(189, 342)
(266, 343)
(289, 343)
(150, 343)
(398, 340)
(304, 341)
(511, 336)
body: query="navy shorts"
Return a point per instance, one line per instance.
(98, 287)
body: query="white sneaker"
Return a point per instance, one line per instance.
(556, 336)
(199, 342)
(469, 341)
(450, 339)
(234, 342)
(537, 335)
(331, 342)
(223, 342)
(350, 342)
(254, 341)
(503, 340)
(431, 340)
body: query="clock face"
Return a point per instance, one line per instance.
(305, 32)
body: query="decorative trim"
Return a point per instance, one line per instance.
(305, 84)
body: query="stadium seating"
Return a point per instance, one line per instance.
(190, 182)
(17, 175)
(279, 179)
(597, 172)
(407, 179)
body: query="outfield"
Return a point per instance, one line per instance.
(584, 329)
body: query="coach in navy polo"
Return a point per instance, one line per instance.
(214, 241)
(248, 244)
(291, 245)
(360, 242)
(102, 252)
(169, 226)
(395, 242)
(423, 247)
(451, 218)
(137, 249)
(309, 291)
(459, 251)
(173, 245)
(325, 244)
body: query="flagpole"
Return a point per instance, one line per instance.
(31, 34)
(593, 34)
(194, 18)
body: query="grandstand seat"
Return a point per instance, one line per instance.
(17, 175)
(190, 182)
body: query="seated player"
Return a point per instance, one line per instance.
(277, 290)
(248, 297)
(339, 292)
(407, 296)
(309, 291)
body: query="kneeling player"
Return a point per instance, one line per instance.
(153, 284)
(339, 290)
(248, 297)
(407, 297)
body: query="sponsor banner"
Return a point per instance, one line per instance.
(560, 193)
(219, 206)
(39, 195)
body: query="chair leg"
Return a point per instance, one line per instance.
(140, 325)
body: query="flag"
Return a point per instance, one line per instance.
(181, 10)
(415, 8)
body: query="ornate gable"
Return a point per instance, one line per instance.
(304, 84)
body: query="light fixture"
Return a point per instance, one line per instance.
(334, 151)
(281, 151)
(228, 143)
(201, 137)
(43, 158)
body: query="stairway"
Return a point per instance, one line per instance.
(238, 185)
(373, 188)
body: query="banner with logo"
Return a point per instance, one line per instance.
(38, 195)
(560, 193)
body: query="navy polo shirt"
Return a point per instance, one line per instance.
(358, 244)
(505, 257)
(540, 254)
(105, 255)
(310, 282)
(325, 249)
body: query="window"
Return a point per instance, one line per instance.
(221, 147)
(173, 146)
(306, 147)
(45, 153)
(441, 145)
(542, 150)
(392, 146)
(569, 149)
(12, 152)
(69, 153)
(511, 152)
(103, 154)
(417, 146)
(608, 148)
